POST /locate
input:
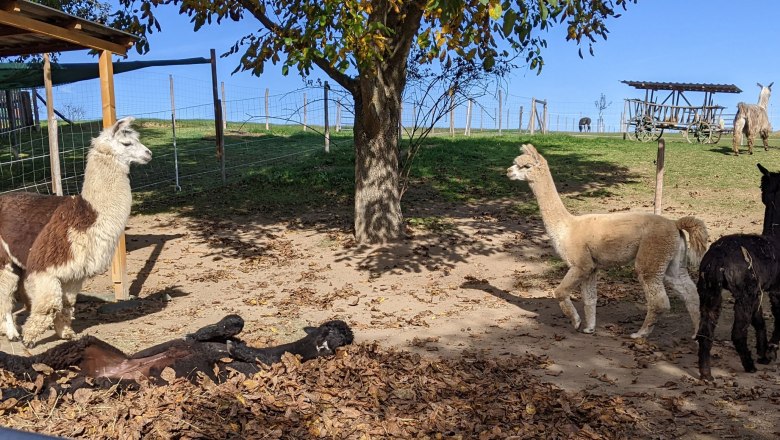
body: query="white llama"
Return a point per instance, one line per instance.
(594, 241)
(752, 120)
(54, 243)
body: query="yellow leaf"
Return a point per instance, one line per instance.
(530, 409)
(496, 11)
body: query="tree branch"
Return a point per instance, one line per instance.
(344, 80)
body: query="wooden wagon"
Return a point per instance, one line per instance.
(646, 120)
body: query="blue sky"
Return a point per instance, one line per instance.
(708, 41)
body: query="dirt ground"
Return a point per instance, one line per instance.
(480, 280)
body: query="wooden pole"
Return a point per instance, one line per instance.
(54, 148)
(35, 109)
(520, 123)
(467, 131)
(532, 121)
(266, 109)
(119, 261)
(327, 126)
(544, 118)
(500, 110)
(659, 176)
(220, 141)
(338, 116)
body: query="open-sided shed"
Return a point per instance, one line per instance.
(29, 28)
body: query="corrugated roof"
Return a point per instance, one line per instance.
(29, 28)
(684, 87)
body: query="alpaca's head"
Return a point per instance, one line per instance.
(764, 94)
(330, 336)
(121, 142)
(770, 196)
(527, 166)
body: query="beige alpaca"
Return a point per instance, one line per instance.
(52, 244)
(593, 241)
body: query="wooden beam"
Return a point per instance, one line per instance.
(28, 24)
(54, 147)
(119, 262)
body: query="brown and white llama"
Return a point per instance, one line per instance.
(752, 120)
(52, 244)
(590, 242)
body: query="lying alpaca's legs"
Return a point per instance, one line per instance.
(573, 279)
(680, 282)
(45, 293)
(63, 319)
(744, 308)
(8, 282)
(589, 297)
(657, 303)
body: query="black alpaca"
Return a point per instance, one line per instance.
(199, 351)
(584, 124)
(748, 266)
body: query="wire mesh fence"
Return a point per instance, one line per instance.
(262, 127)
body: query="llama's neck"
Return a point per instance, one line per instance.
(554, 214)
(763, 99)
(107, 189)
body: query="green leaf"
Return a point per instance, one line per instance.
(509, 21)
(285, 69)
(542, 10)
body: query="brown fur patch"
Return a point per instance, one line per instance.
(52, 247)
(22, 218)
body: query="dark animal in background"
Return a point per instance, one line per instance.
(748, 266)
(584, 124)
(197, 352)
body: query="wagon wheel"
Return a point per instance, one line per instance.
(715, 136)
(704, 133)
(647, 130)
(689, 133)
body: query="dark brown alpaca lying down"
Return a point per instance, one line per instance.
(196, 352)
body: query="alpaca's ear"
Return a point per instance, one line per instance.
(759, 85)
(122, 124)
(531, 151)
(763, 170)
(770, 85)
(310, 330)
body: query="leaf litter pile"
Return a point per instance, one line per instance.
(362, 392)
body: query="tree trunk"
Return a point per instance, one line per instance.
(378, 216)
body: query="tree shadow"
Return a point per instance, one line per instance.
(136, 242)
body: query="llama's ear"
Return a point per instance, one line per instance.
(763, 170)
(122, 124)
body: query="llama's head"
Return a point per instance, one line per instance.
(330, 336)
(763, 95)
(527, 166)
(770, 196)
(121, 142)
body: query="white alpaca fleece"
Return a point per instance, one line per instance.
(74, 238)
(752, 120)
(590, 242)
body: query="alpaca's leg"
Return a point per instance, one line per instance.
(765, 139)
(774, 341)
(750, 138)
(657, 303)
(711, 298)
(45, 293)
(63, 319)
(744, 307)
(571, 281)
(680, 282)
(589, 297)
(760, 327)
(8, 284)
(739, 125)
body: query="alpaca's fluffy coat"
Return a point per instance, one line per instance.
(593, 241)
(752, 120)
(55, 243)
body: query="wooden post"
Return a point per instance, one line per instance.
(467, 131)
(54, 148)
(544, 117)
(659, 176)
(266, 109)
(119, 261)
(224, 107)
(327, 127)
(532, 120)
(304, 111)
(500, 110)
(338, 116)
(35, 109)
(520, 124)
(220, 135)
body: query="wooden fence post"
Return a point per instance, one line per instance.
(532, 120)
(500, 109)
(304, 111)
(327, 126)
(266, 109)
(218, 116)
(659, 176)
(54, 148)
(520, 124)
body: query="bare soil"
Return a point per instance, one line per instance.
(479, 280)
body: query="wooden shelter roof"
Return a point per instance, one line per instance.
(29, 28)
(684, 87)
